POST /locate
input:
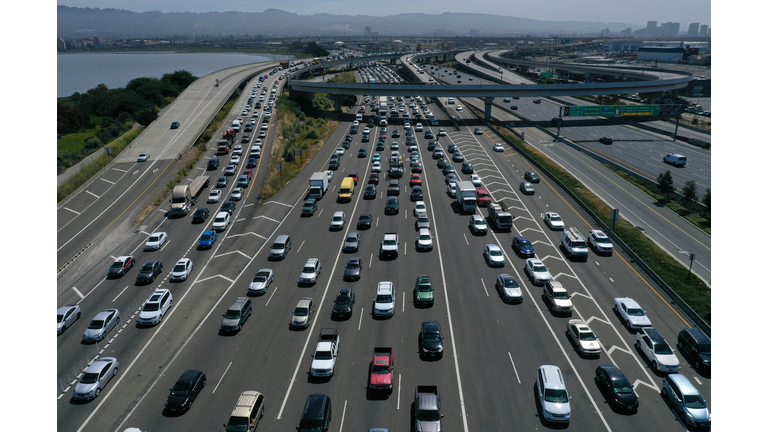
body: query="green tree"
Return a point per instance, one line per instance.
(689, 193)
(181, 79)
(69, 120)
(665, 183)
(297, 46)
(100, 100)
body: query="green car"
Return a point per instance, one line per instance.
(310, 205)
(423, 293)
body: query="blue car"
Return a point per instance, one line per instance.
(207, 240)
(522, 246)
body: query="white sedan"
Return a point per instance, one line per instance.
(238, 150)
(554, 221)
(340, 151)
(459, 108)
(376, 167)
(475, 179)
(181, 270)
(156, 241)
(583, 337)
(234, 160)
(214, 196)
(537, 271)
(143, 157)
(498, 147)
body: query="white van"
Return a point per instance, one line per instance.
(236, 124)
(675, 159)
(359, 117)
(451, 101)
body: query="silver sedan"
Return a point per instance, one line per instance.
(95, 378)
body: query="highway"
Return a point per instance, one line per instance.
(492, 349)
(631, 148)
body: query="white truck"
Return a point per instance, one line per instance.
(466, 196)
(185, 196)
(389, 245)
(324, 359)
(318, 184)
(500, 216)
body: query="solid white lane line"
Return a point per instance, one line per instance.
(78, 293)
(270, 296)
(486, 290)
(75, 212)
(126, 287)
(360, 323)
(399, 381)
(513, 367)
(222, 377)
(343, 413)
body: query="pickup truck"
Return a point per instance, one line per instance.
(426, 409)
(326, 351)
(381, 371)
(389, 245)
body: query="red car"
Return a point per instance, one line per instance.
(353, 174)
(373, 178)
(249, 174)
(483, 198)
(415, 179)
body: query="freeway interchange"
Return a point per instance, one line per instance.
(492, 349)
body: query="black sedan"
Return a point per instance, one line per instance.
(393, 206)
(364, 222)
(616, 387)
(353, 269)
(606, 140)
(431, 339)
(417, 194)
(345, 299)
(370, 192)
(185, 391)
(362, 152)
(532, 177)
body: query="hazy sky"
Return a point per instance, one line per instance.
(630, 12)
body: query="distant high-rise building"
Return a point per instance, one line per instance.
(605, 32)
(651, 29)
(474, 33)
(693, 29)
(627, 32)
(703, 30)
(367, 31)
(670, 29)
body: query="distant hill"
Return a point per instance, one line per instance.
(75, 22)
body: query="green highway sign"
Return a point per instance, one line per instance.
(638, 110)
(610, 110)
(547, 74)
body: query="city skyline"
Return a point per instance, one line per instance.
(682, 11)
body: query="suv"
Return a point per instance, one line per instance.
(423, 293)
(558, 297)
(248, 410)
(155, 307)
(657, 350)
(697, 346)
(310, 272)
(686, 400)
(393, 188)
(600, 242)
(553, 396)
(384, 304)
(338, 220)
(236, 315)
(574, 244)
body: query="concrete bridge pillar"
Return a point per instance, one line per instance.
(445, 58)
(337, 99)
(488, 105)
(393, 61)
